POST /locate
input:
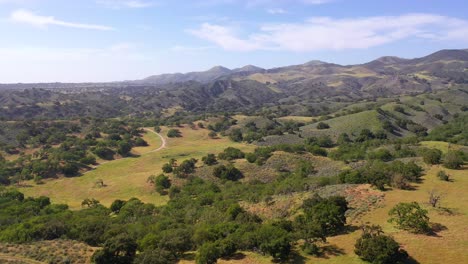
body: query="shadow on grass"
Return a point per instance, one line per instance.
(435, 229)
(331, 250)
(410, 260)
(447, 211)
(236, 256)
(294, 258)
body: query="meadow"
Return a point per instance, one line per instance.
(127, 178)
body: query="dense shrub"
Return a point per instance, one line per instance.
(375, 247)
(410, 217)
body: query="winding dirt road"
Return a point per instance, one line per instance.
(163, 146)
(164, 143)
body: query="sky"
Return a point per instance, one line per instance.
(115, 40)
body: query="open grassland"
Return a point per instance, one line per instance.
(304, 119)
(351, 124)
(443, 146)
(126, 178)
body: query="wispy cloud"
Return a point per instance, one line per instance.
(256, 3)
(276, 11)
(323, 33)
(28, 17)
(225, 38)
(118, 4)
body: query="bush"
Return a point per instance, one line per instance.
(375, 247)
(162, 183)
(236, 135)
(432, 156)
(213, 134)
(410, 217)
(323, 125)
(208, 253)
(104, 153)
(167, 168)
(231, 153)
(173, 133)
(442, 175)
(227, 173)
(210, 159)
(453, 160)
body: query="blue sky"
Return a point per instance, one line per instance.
(111, 40)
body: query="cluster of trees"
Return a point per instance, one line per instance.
(134, 232)
(395, 174)
(61, 151)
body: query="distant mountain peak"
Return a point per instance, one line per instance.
(249, 68)
(315, 63)
(219, 68)
(390, 59)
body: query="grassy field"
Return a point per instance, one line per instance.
(442, 146)
(351, 124)
(126, 178)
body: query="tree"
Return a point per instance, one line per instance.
(453, 160)
(432, 156)
(208, 253)
(167, 168)
(210, 159)
(120, 249)
(229, 172)
(185, 168)
(236, 135)
(172, 133)
(442, 175)
(124, 148)
(410, 217)
(104, 153)
(162, 183)
(375, 247)
(325, 215)
(213, 134)
(323, 125)
(434, 198)
(274, 241)
(231, 153)
(117, 205)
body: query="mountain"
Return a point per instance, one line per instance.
(309, 88)
(202, 77)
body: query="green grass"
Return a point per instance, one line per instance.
(440, 145)
(126, 178)
(351, 124)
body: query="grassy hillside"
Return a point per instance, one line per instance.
(350, 124)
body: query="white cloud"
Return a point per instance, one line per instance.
(118, 4)
(276, 11)
(323, 33)
(225, 38)
(27, 17)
